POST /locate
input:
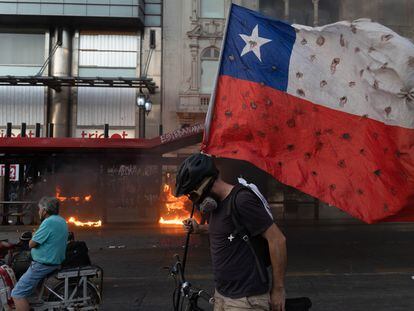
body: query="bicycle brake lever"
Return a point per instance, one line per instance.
(206, 297)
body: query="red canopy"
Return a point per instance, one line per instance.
(164, 143)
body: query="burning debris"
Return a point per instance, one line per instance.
(78, 201)
(174, 210)
(73, 220)
(175, 221)
(75, 199)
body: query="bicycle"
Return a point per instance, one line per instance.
(183, 289)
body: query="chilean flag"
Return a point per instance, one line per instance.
(327, 110)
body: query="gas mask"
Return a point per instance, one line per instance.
(208, 205)
(203, 198)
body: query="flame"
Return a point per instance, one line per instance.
(175, 221)
(73, 220)
(175, 209)
(61, 198)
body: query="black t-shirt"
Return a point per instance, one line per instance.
(235, 270)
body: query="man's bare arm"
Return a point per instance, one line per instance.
(278, 257)
(33, 244)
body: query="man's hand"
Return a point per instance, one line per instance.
(191, 225)
(33, 244)
(277, 299)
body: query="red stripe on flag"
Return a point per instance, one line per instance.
(357, 164)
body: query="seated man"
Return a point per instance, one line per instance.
(48, 246)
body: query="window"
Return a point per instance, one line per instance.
(328, 11)
(301, 12)
(21, 53)
(209, 64)
(212, 8)
(273, 8)
(108, 55)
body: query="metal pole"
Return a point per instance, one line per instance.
(58, 105)
(6, 185)
(106, 130)
(23, 130)
(182, 272)
(210, 111)
(6, 190)
(9, 129)
(187, 241)
(141, 122)
(37, 130)
(21, 180)
(50, 129)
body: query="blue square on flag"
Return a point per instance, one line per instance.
(257, 48)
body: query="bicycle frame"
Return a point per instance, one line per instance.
(184, 289)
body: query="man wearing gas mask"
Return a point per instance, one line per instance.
(244, 239)
(48, 247)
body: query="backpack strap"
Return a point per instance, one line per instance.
(241, 231)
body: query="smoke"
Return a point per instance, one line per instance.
(122, 189)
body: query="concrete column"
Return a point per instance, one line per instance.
(315, 12)
(194, 86)
(59, 100)
(286, 17)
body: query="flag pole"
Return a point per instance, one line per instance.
(210, 110)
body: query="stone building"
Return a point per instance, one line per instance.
(50, 43)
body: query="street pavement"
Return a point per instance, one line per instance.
(341, 267)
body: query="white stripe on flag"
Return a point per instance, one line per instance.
(362, 68)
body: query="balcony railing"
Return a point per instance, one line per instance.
(194, 103)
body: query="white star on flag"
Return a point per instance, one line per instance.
(253, 42)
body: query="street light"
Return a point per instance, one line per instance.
(141, 100)
(148, 106)
(145, 106)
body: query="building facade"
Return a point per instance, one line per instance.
(99, 39)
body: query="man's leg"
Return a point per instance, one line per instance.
(21, 304)
(256, 303)
(27, 284)
(218, 302)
